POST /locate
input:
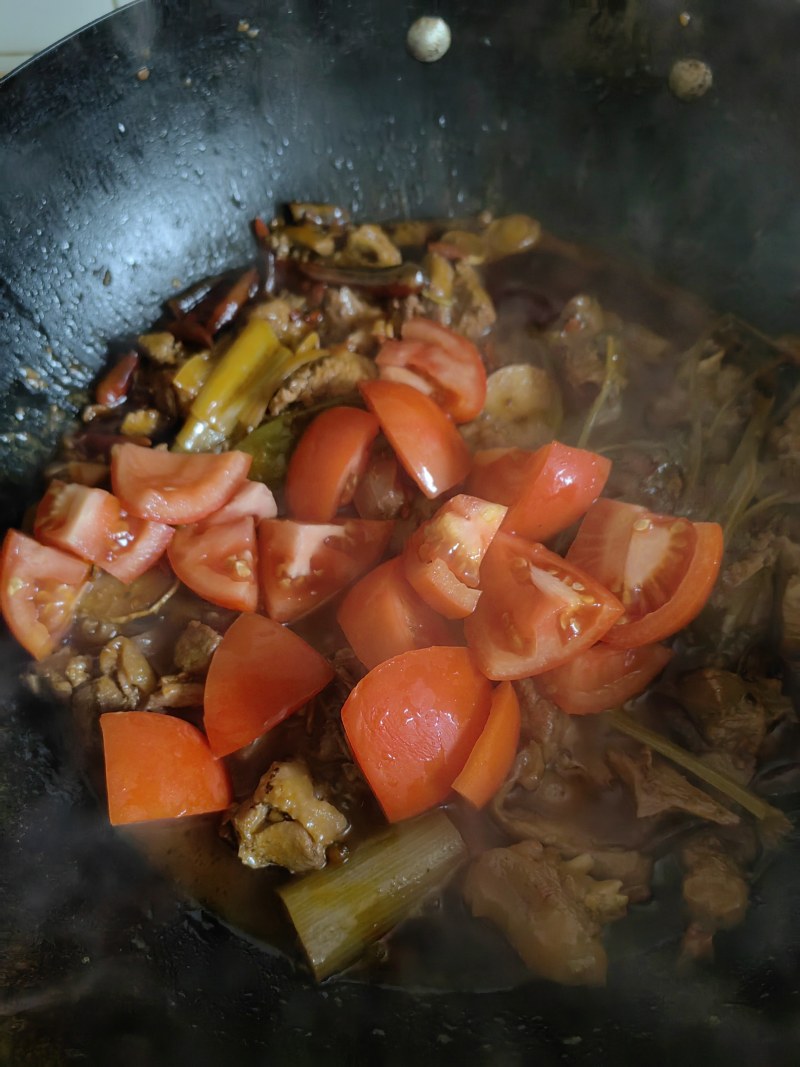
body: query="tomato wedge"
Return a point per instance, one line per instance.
(493, 755)
(602, 677)
(328, 462)
(411, 724)
(448, 364)
(443, 556)
(427, 443)
(302, 565)
(499, 474)
(382, 616)
(218, 562)
(175, 487)
(260, 673)
(559, 485)
(159, 767)
(92, 524)
(252, 498)
(39, 590)
(662, 568)
(536, 610)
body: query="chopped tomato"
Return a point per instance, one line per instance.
(328, 462)
(260, 673)
(159, 767)
(427, 443)
(493, 755)
(602, 677)
(411, 724)
(443, 556)
(303, 565)
(382, 616)
(382, 492)
(39, 590)
(558, 487)
(218, 562)
(175, 487)
(662, 568)
(252, 498)
(499, 474)
(92, 524)
(445, 364)
(536, 611)
(113, 387)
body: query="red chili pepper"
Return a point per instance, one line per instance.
(260, 230)
(231, 303)
(113, 388)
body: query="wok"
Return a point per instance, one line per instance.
(132, 157)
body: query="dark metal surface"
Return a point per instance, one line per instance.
(114, 187)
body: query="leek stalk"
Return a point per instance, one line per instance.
(338, 911)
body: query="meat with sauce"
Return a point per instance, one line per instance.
(286, 822)
(551, 910)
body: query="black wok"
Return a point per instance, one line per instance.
(133, 155)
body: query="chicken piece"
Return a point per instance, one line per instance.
(785, 440)
(715, 891)
(345, 310)
(195, 647)
(286, 316)
(522, 409)
(551, 910)
(143, 422)
(473, 312)
(632, 869)
(162, 348)
(124, 660)
(97, 696)
(369, 246)
(561, 791)
(177, 691)
(286, 822)
(335, 375)
(659, 788)
(790, 600)
(730, 720)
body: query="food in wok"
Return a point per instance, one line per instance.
(406, 579)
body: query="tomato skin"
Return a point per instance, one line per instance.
(663, 568)
(303, 565)
(602, 677)
(218, 562)
(382, 616)
(92, 524)
(531, 617)
(444, 360)
(39, 591)
(251, 498)
(688, 599)
(559, 486)
(492, 757)
(159, 767)
(260, 673)
(443, 556)
(175, 487)
(426, 442)
(411, 724)
(499, 474)
(328, 463)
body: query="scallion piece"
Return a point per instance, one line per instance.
(775, 820)
(338, 911)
